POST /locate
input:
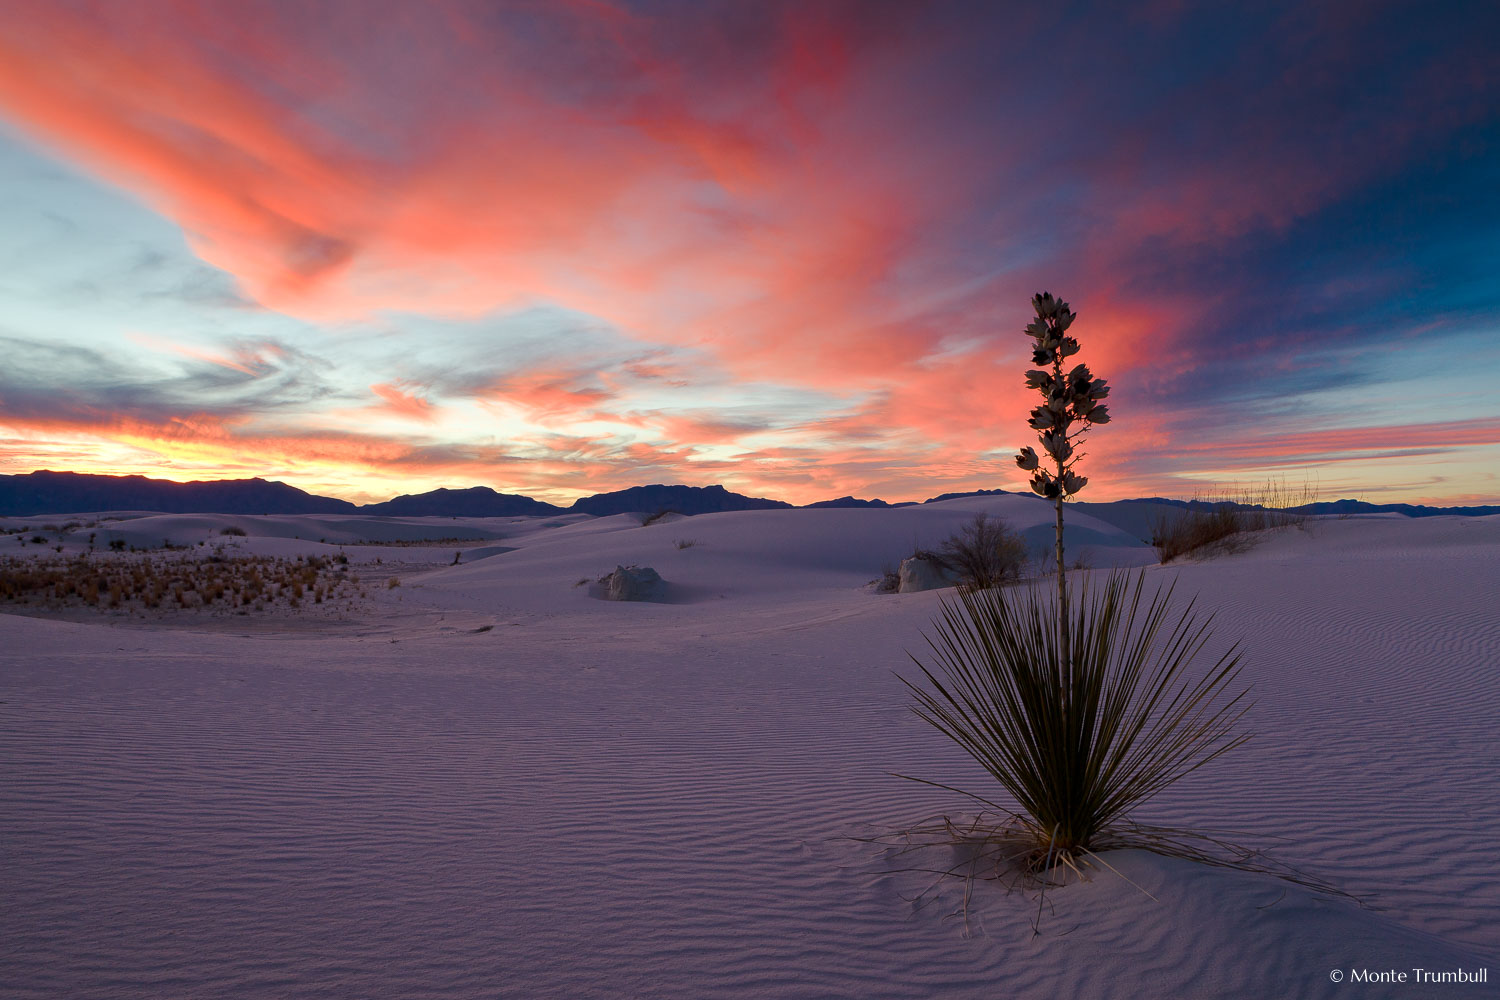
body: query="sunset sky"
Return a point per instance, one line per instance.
(558, 248)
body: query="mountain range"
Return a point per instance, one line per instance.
(46, 492)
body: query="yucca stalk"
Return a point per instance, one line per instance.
(1079, 741)
(1071, 406)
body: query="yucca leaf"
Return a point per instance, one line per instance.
(1079, 744)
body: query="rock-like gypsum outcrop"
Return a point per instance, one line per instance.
(925, 571)
(632, 583)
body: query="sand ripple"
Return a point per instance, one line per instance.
(664, 812)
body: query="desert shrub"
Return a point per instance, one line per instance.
(985, 553)
(685, 543)
(652, 519)
(117, 545)
(233, 529)
(889, 581)
(393, 583)
(38, 540)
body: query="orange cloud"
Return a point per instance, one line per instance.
(546, 395)
(403, 403)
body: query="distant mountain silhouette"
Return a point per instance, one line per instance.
(682, 499)
(1322, 507)
(477, 501)
(47, 492)
(852, 502)
(1410, 510)
(1171, 503)
(971, 493)
(1333, 507)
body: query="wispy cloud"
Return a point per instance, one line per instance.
(60, 382)
(404, 403)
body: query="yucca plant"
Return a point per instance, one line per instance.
(1078, 748)
(1081, 709)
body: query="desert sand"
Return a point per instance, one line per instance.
(486, 781)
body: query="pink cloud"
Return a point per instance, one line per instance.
(404, 403)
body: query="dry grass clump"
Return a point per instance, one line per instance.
(1227, 523)
(157, 581)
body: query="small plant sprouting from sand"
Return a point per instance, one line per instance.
(1081, 710)
(888, 582)
(685, 543)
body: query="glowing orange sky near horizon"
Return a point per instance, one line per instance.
(781, 206)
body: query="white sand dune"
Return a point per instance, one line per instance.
(487, 783)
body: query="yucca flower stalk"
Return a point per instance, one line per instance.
(1071, 406)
